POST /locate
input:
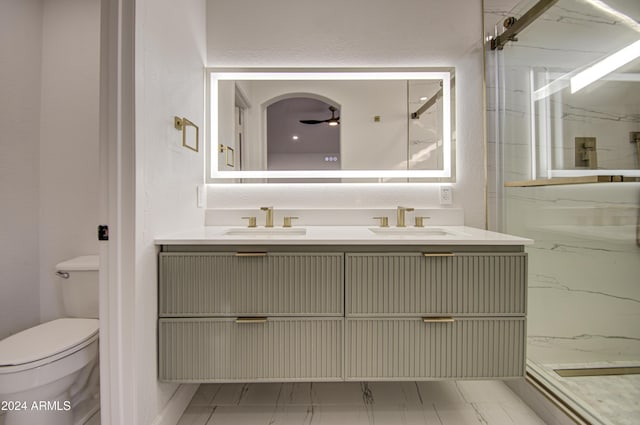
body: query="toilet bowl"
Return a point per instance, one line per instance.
(49, 373)
(39, 366)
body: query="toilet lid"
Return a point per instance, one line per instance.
(45, 340)
(83, 263)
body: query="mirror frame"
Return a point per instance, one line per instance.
(214, 75)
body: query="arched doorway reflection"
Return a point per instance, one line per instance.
(303, 133)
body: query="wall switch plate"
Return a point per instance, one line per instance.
(201, 196)
(446, 195)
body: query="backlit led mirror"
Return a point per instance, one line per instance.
(331, 125)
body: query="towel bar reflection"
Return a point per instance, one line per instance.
(182, 124)
(230, 162)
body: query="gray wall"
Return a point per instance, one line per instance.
(20, 63)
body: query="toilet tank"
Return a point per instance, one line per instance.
(79, 283)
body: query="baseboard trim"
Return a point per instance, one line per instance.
(172, 412)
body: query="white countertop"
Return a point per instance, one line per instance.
(340, 235)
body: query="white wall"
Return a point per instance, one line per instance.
(291, 33)
(68, 141)
(20, 59)
(170, 40)
(49, 111)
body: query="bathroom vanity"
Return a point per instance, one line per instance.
(333, 303)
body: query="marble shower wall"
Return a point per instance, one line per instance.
(584, 268)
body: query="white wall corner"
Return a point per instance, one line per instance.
(173, 410)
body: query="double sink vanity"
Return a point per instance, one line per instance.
(334, 303)
(332, 294)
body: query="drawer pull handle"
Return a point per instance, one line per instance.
(438, 319)
(251, 254)
(438, 254)
(251, 320)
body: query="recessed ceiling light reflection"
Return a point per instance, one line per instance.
(295, 138)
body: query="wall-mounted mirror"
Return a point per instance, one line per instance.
(331, 125)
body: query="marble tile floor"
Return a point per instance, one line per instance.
(354, 403)
(612, 399)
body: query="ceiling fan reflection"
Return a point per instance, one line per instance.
(333, 121)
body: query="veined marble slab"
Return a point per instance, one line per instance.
(366, 403)
(584, 297)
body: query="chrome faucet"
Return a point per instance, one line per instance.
(400, 221)
(268, 217)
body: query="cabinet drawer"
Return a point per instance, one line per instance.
(224, 284)
(221, 350)
(413, 284)
(408, 349)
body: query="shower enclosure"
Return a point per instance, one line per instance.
(563, 125)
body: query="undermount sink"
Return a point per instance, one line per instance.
(266, 231)
(410, 231)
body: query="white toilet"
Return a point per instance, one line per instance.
(49, 373)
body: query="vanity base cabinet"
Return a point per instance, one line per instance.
(275, 350)
(334, 314)
(410, 349)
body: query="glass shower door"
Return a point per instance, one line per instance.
(567, 130)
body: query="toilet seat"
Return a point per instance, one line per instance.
(46, 343)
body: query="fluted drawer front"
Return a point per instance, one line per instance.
(408, 349)
(223, 284)
(221, 350)
(412, 284)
